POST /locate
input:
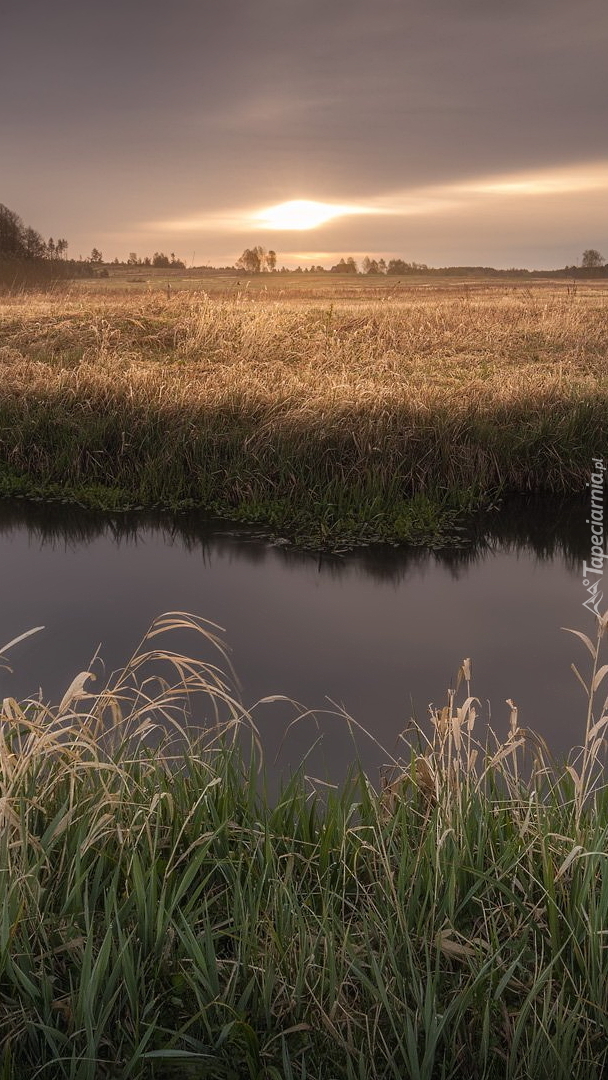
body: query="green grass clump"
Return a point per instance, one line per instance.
(161, 916)
(371, 420)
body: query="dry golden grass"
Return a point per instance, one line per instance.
(518, 331)
(228, 402)
(158, 909)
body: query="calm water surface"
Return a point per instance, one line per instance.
(381, 633)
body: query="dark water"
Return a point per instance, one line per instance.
(379, 632)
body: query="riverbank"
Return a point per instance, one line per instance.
(330, 425)
(159, 914)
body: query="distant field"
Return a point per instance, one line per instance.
(336, 286)
(384, 413)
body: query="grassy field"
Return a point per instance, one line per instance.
(159, 917)
(293, 285)
(331, 412)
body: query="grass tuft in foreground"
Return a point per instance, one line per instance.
(159, 916)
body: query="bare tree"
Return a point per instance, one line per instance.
(592, 260)
(23, 242)
(11, 232)
(251, 260)
(35, 246)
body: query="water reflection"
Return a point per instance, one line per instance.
(380, 632)
(548, 528)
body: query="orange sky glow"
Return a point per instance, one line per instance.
(450, 134)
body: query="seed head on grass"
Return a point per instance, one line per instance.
(156, 908)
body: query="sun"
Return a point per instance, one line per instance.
(302, 214)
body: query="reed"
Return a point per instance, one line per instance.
(161, 916)
(329, 424)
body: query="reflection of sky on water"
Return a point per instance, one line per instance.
(380, 632)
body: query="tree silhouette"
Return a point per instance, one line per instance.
(250, 260)
(369, 266)
(345, 266)
(35, 246)
(11, 233)
(592, 260)
(254, 260)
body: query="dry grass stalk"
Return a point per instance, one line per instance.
(284, 402)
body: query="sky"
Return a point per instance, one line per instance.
(449, 132)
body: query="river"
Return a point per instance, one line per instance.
(380, 633)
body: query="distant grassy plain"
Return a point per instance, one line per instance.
(333, 410)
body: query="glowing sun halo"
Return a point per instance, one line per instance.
(302, 214)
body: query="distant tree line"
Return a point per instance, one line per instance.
(256, 260)
(26, 258)
(25, 254)
(19, 241)
(591, 260)
(158, 260)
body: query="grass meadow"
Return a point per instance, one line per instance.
(161, 917)
(330, 417)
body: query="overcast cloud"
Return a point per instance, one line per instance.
(122, 117)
